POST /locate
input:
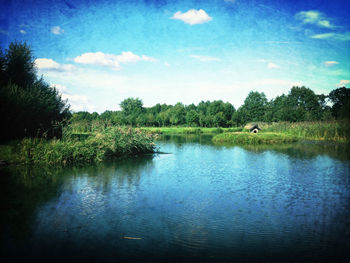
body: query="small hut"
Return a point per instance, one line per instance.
(254, 129)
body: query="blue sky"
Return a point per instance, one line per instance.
(98, 53)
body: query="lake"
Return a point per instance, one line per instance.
(198, 202)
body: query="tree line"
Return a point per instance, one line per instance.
(300, 104)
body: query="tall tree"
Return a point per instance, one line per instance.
(305, 104)
(28, 105)
(255, 106)
(341, 102)
(131, 109)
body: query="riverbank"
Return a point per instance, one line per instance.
(112, 142)
(253, 138)
(190, 130)
(284, 132)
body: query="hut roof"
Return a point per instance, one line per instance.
(254, 127)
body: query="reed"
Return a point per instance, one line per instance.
(109, 143)
(321, 131)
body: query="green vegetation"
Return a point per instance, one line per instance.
(110, 143)
(189, 130)
(299, 105)
(28, 105)
(284, 132)
(252, 138)
(322, 131)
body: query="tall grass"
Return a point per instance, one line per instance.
(326, 131)
(111, 142)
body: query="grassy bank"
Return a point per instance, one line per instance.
(284, 132)
(321, 131)
(189, 130)
(251, 138)
(107, 144)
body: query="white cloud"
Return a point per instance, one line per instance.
(22, 31)
(76, 102)
(343, 82)
(60, 88)
(271, 65)
(205, 58)
(57, 30)
(330, 63)
(99, 59)
(193, 17)
(111, 60)
(166, 64)
(313, 17)
(49, 64)
(336, 36)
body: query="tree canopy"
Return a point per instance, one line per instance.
(28, 105)
(300, 104)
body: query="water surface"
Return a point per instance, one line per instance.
(201, 202)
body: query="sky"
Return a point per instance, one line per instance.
(98, 53)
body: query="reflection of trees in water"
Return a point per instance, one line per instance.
(306, 150)
(25, 189)
(180, 139)
(303, 150)
(121, 172)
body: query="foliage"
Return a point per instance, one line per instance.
(110, 143)
(341, 103)
(255, 106)
(131, 110)
(326, 131)
(299, 105)
(187, 130)
(28, 105)
(282, 132)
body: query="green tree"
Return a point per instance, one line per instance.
(131, 109)
(341, 102)
(177, 114)
(219, 119)
(304, 104)
(255, 106)
(192, 118)
(28, 105)
(19, 65)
